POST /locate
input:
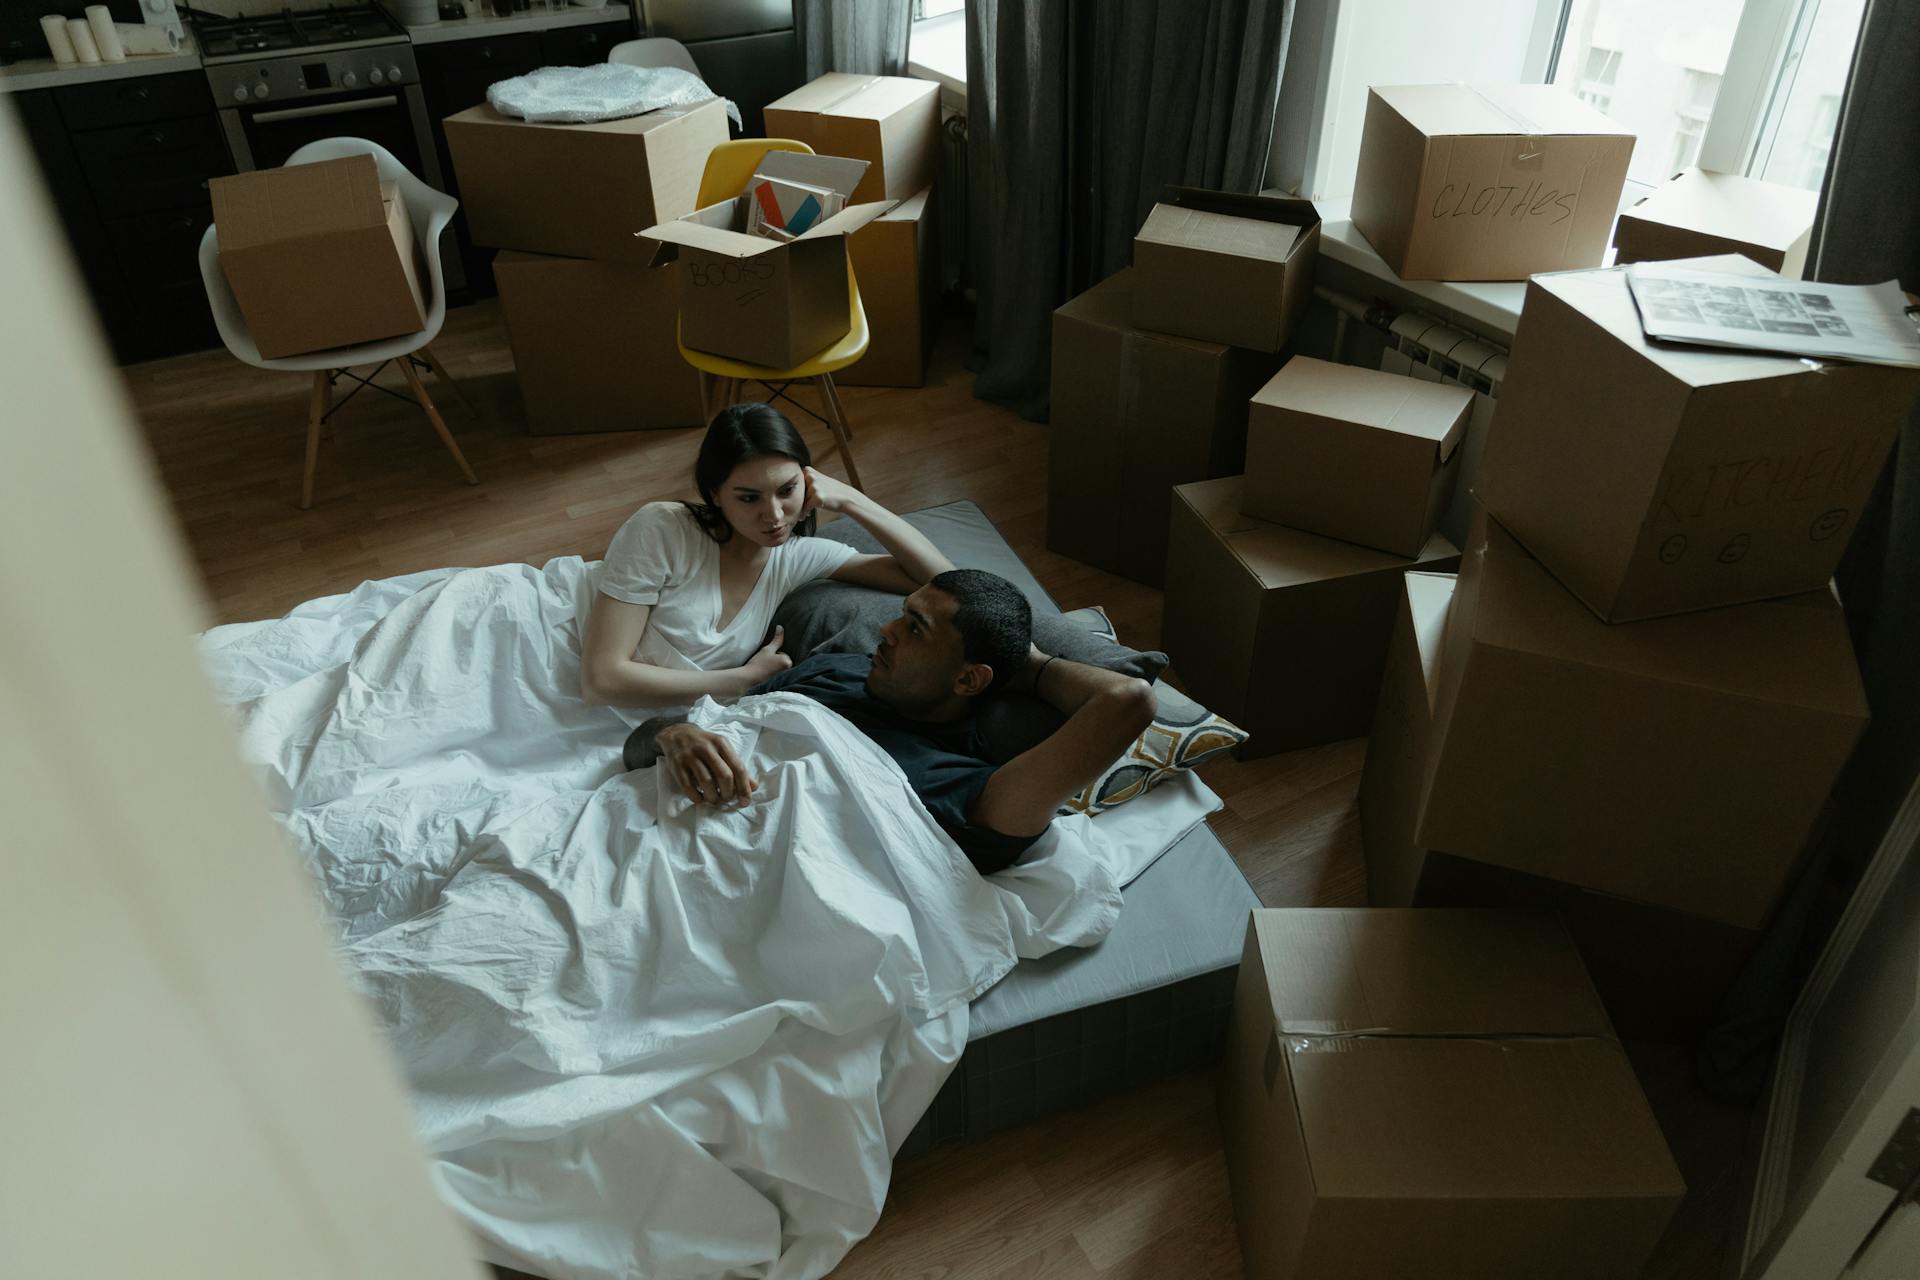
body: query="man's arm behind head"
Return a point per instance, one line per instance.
(1105, 712)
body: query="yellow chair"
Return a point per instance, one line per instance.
(728, 167)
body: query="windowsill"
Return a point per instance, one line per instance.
(1491, 308)
(937, 50)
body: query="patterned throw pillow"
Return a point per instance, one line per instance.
(1183, 735)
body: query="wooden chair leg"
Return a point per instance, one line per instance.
(318, 403)
(440, 372)
(830, 400)
(433, 416)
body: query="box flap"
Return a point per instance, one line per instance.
(1283, 209)
(847, 221)
(1425, 972)
(1732, 207)
(713, 230)
(1205, 231)
(1793, 650)
(835, 173)
(1429, 599)
(1527, 110)
(859, 97)
(912, 209)
(1278, 556)
(274, 205)
(1370, 398)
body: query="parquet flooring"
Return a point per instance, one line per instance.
(1132, 1186)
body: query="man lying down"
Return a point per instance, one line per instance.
(966, 634)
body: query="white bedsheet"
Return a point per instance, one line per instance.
(642, 1038)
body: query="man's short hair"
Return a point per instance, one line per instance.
(995, 620)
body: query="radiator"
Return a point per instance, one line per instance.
(1423, 347)
(951, 191)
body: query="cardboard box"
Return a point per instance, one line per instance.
(1701, 213)
(1487, 182)
(1225, 268)
(766, 302)
(1678, 763)
(1430, 1095)
(896, 258)
(1135, 413)
(1661, 974)
(1282, 632)
(593, 344)
(891, 122)
(1355, 454)
(1654, 478)
(581, 190)
(319, 255)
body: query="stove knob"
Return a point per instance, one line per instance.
(377, 76)
(240, 93)
(393, 75)
(349, 79)
(261, 90)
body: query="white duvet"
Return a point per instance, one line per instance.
(642, 1038)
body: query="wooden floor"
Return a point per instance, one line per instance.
(1133, 1186)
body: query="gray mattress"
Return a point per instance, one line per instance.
(1149, 1000)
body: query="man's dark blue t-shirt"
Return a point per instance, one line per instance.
(946, 764)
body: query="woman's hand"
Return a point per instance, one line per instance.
(824, 493)
(769, 661)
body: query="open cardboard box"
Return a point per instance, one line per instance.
(767, 302)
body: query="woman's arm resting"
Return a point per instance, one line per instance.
(911, 560)
(610, 677)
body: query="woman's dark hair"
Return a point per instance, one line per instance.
(739, 434)
(994, 620)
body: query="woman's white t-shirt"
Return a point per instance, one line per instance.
(661, 558)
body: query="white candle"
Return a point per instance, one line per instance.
(82, 36)
(58, 43)
(105, 38)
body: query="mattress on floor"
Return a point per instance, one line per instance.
(1150, 1000)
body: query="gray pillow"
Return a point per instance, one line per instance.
(833, 617)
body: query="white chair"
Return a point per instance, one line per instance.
(657, 52)
(430, 212)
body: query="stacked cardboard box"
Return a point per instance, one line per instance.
(1433, 1094)
(1154, 367)
(1701, 212)
(893, 123)
(590, 323)
(1282, 584)
(1650, 762)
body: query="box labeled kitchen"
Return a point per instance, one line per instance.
(1655, 478)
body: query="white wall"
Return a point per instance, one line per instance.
(187, 1087)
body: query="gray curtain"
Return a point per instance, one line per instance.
(866, 37)
(1078, 113)
(1867, 230)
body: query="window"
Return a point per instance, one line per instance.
(1742, 86)
(937, 48)
(1596, 79)
(934, 8)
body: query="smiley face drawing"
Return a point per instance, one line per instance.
(1673, 548)
(1827, 523)
(1736, 549)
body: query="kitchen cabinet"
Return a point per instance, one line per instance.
(128, 163)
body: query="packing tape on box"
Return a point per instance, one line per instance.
(862, 87)
(59, 44)
(106, 37)
(1529, 128)
(1362, 1041)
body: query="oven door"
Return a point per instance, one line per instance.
(274, 133)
